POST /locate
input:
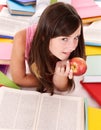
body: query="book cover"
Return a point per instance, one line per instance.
(26, 2)
(93, 50)
(91, 19)
(94, 90)
(5, 81)
(5, 51)
(93, 43)
(94, 118)
(4, 68)
(6, 40)
(93, 73)
(86, 8)
(6, 36)
(19, 9)
(1, 6)
(5, 61)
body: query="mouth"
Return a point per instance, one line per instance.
(67, 53)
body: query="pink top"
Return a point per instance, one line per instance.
(29, 37)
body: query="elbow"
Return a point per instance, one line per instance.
(17, 81)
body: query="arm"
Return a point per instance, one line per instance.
(17, 66)
(62, 73)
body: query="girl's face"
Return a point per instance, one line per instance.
(62, 46)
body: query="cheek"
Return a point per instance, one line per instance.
(53, 46)
(75, 45)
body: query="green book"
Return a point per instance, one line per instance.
(5, 81)
(93, 73)
(86, 114)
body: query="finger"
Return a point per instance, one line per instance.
(67, 67)
(70, 74)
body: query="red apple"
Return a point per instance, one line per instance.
(78, 65)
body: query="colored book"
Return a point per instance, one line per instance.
(86, 8)
(6, 40)
(31, 110)
(6, 36)
(26, 2)
(18, 9)
(92, 34)
(93, 43)
(93, 73)
(86, 114)
(5, 51)
(1, 6)
(4, 68)
(93, 50)
(91, 19)
(5, 81)
(11, 24)
(94, 90)
(4, 61)
(94, 118)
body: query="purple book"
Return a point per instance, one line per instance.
(4, 68)
(26, 2)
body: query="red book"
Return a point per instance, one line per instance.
(1, 6)
(94, 89)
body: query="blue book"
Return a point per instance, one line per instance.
(6, 36)
(18, 9)
(92, 44)
(26, 2)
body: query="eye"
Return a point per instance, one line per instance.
(77, 37)
(65, 39)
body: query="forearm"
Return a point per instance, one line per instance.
(28, 80)
(60, 82)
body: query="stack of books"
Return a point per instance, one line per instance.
(88, 10)
(92, 78)
(9, 25)
(21, 7)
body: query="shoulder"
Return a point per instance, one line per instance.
(30, 32)
(20, 36)
(19, 42)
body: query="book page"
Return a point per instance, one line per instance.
(10, 24)
(18, 109)
(61, 113)
(5, 13)
(92, 33)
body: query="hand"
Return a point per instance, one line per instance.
(63, 69)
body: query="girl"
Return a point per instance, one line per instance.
(48, 47)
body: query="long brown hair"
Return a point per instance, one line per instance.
(58, 19)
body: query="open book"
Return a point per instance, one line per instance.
(10, 24)
(31, 110)
(92, 34)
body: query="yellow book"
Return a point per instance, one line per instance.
(94, 118)
(90, 19)
(93, 50)
(6, 40)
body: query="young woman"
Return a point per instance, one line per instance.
(48, 47)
